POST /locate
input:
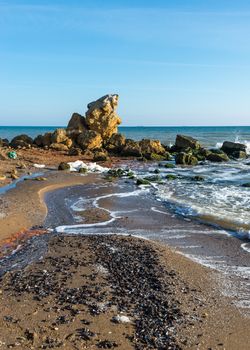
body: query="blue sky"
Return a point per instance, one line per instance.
(172, 62)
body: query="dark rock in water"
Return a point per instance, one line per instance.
(76, 125)
(142, 182)
(63, 166)
(153, 178)
(21, 141)
(198, 178)
(239, 155)
(217, 157)
(171, 177)
(90, 140)
(183, 142)
(234, 149)
(1, 142)
(116, 143)
(183, 158)
(229, 147)
(43, 140)
(169, 166)
(131, 149)
(247, 184)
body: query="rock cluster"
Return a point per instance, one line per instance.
(95, 136)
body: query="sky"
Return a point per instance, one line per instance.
(172, 62)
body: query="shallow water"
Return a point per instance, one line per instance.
(220, 199)
(136, 212)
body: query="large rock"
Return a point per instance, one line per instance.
(59, 136)
(59, 147)
(234, 149)
(151, 146)
(101, 116)
(116, 143)
(21, 141)
(90, 140)
(217, 157)
(183, 158)
(183, 142)
(131, 149)
(76, 125)
(43, 140)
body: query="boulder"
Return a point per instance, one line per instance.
(100, 156)
(64, 166)
(90, 140)
(59, 136)
(151, 146)
(59, 147)
(239, 155)
(76, 125)
(131, 149)
(183, 142)
(1, 142)
(21, 141)
(217, 157)
(5, 143)
(43, 140)
(101, 116)
(116, 143)
(87, 154)
(183, 158)
(234, 149)
(74, 151)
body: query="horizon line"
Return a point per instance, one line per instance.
(129, 126)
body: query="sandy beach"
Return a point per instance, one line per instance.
(74, 287)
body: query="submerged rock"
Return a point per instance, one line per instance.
(183, 158)
(217, 157)
(101, 116)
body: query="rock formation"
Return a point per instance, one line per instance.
(76, 125)
(101, 116)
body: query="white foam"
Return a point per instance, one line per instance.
(90, 167)
(246, 247)
(159, 211)
(73, 228)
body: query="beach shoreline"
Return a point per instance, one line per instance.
(208, 310)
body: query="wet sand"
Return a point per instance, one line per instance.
(201, 317)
